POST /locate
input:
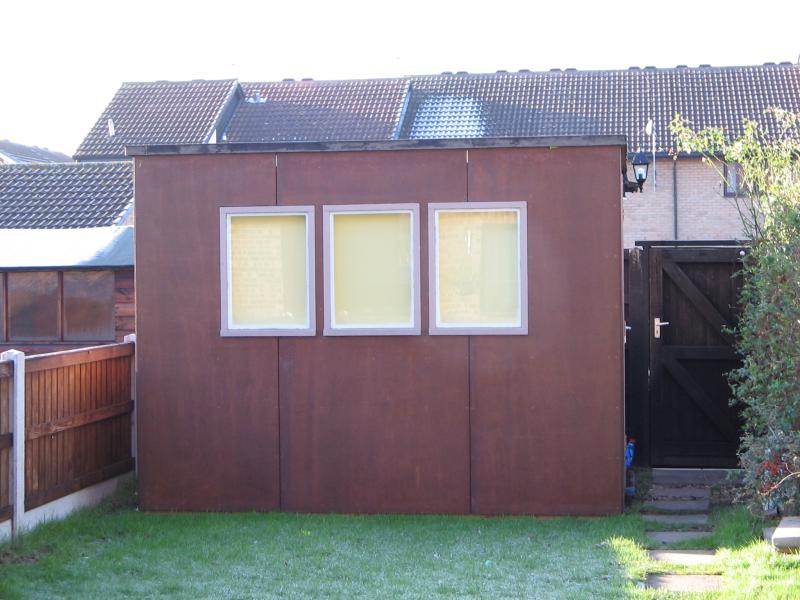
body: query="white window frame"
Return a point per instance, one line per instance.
(731, 181)
(437, 328)
(227, 328)
(330, 327)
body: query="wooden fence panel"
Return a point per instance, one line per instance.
(5, 441)
(77, 420)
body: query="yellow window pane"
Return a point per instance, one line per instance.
(478, 267)
(268, 263)
(372, 269)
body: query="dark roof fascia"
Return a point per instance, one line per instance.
(356, 146)
(683, 243)
(663, 154)
(101, 158)
(718, 155)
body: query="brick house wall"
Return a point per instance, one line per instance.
(704, 212)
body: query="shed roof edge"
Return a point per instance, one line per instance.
(363, 146)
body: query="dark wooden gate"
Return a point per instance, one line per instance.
(682, 301)
(695, 291)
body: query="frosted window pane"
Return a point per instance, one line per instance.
(89, 305)
(478, 268)
(33, 306)
(372, 269)
(268, 279)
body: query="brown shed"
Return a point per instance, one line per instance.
(455, 346)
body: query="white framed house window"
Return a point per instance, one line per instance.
(478, 268)
(267, 271)
(371, 271)
(732, 180)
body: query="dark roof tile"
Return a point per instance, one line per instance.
(64, 195)
(159, 112)
(502, 104)
(293, 111)
(21, 154)
(598, 102)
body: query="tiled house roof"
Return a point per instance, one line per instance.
(598, 102)
(292, 111)
(65, 195)
(11, 153)
(159, 112)
(461, 105)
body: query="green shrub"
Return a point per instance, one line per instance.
(767, 386)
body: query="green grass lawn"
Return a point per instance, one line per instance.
(116, 552)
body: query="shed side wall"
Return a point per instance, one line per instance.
(208, 405)
(511, 424)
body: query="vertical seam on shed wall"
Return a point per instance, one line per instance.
(469, 367)
(278, 367)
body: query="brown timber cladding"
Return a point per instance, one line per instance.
(431, 424)
(124, 304)
(78, 420)
(5, 440)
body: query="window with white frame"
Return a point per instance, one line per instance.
(478, 268)
(733, 180)
(371, 273)
(267, 270)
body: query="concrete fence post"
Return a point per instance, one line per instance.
(17, 410)
(131, 337)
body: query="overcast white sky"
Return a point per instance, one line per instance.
(63, 61)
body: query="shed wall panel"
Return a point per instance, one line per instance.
(374, 424)
(208, 405)
(547, 413)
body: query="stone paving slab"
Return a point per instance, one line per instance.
(684, 557)
(685, 505)
(670, 537)
(667, 519)
(786, 536)
(685, 583)
(690, 476)
(693, 492)
(768, 531)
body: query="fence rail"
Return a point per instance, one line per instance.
(76, 409)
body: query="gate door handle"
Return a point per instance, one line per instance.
(657, 325)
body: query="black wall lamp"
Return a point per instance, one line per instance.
(640, 162)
